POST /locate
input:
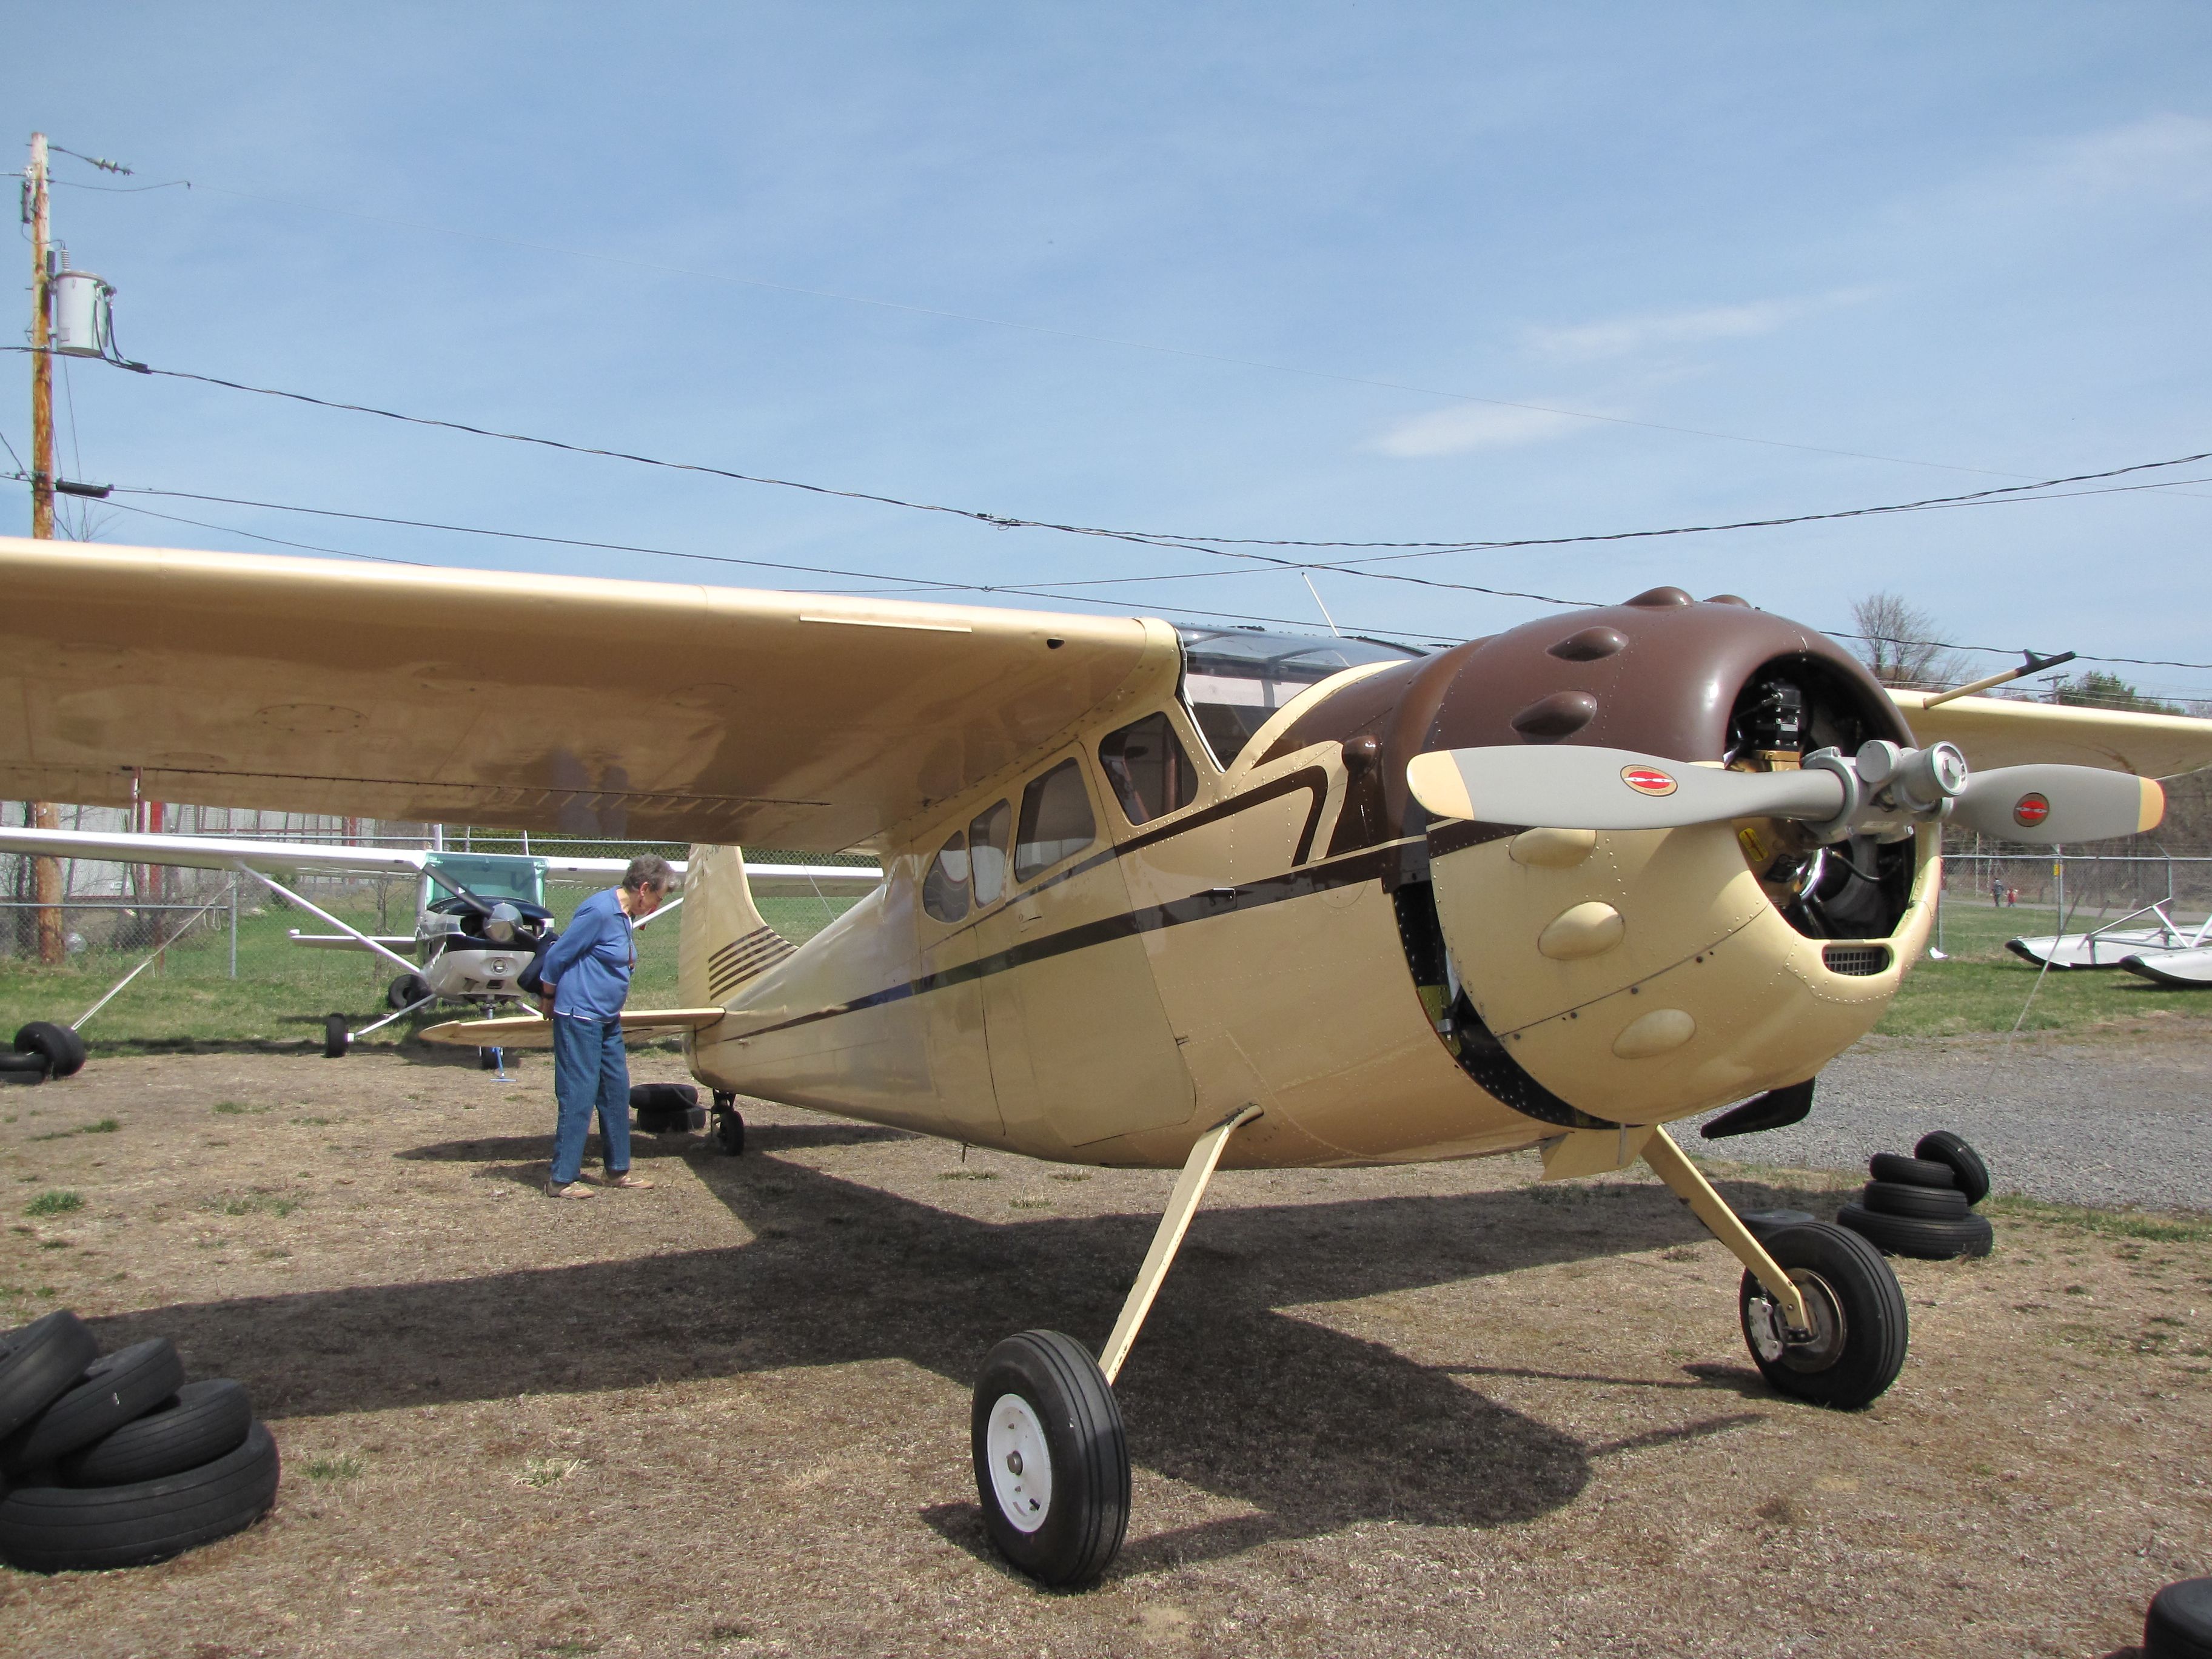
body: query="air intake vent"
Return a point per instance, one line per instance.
(1858, 960)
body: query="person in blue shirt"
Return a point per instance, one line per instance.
(586, 973)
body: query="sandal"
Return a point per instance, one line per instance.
(626, 1179)
(573, 1189)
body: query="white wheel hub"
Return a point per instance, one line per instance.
(1021, 1466)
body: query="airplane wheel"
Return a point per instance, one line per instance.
(1857, 1310)
(487, 1060)
(730, 1131)
(406, 991)
(61, 1047)
(1052, 1462)
(337, 1036)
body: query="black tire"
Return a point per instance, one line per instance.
(1910, 1172)
(488, 1059)
(40, 1363)
(91, 1529)
(730, 1131)
(1859, 1326)
(1964, 1164)
(23, 1068)
(2180, 1622)
(199, 1423)
(406, 991)
(1927, 1241)
(116, 1390)
(1043, 1391)
(662, 1096)
(1925, 1203)
(337, 1036)
(60, 1045)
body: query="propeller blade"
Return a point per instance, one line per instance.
(1579, 788)
(2051, 804)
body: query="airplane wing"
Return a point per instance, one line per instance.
(580, 706)
(767, 880)
(213, 851)
(278, 857)
(2009, 732)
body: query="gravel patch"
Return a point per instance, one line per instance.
(2110, 1119)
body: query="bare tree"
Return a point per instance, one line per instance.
(1897, 642)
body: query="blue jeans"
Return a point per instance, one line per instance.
(589, 1069)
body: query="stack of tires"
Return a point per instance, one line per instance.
(1923, 1206)
(667, 1109)
(114, 1461)
(43, 1050)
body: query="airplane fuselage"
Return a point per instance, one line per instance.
(1065, 964)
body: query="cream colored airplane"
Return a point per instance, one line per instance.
(1149, 900)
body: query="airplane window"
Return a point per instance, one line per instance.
(1234, 677)
(987, 851)
(944, 889)
(1149, 769)
(1056, 821)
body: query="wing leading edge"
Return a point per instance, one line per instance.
(2005, 732)
(562, 704)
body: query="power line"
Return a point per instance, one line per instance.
(920, 584)
(1219, 546)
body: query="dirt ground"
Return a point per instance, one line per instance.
(1421, 1410)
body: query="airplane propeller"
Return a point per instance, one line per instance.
(1882, 788)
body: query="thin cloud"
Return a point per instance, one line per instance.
(2160, 154)
(1623, 337)
(1461, 431)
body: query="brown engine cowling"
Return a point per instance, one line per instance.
(1588, 977)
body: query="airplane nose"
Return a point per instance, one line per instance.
(1641, 975)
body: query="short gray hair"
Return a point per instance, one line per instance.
(649, 870)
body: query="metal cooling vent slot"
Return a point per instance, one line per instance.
(1858, 960)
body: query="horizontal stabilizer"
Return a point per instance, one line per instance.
(530, 1031)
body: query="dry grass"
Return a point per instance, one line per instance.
(1377, 1412)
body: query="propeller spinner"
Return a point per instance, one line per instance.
(1883, 788)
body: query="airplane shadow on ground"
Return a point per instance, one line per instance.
(1313, 1428)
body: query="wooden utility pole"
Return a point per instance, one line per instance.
(45, 873)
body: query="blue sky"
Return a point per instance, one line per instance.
(1235, 270)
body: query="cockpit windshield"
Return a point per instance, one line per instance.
(490, 876)
(1236, 678)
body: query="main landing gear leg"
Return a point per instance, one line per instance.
(729, 1129)
(1052, 1462)
(1821, 1310)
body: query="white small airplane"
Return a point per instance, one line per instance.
(2116, 945)
(480, 917)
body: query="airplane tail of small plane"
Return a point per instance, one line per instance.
(725, 942)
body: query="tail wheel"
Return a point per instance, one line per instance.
(1856, 1346)
(1052, 1462)
(337, 1036)
(729, 1127)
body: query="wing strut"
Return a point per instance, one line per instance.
(1182, 1203)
